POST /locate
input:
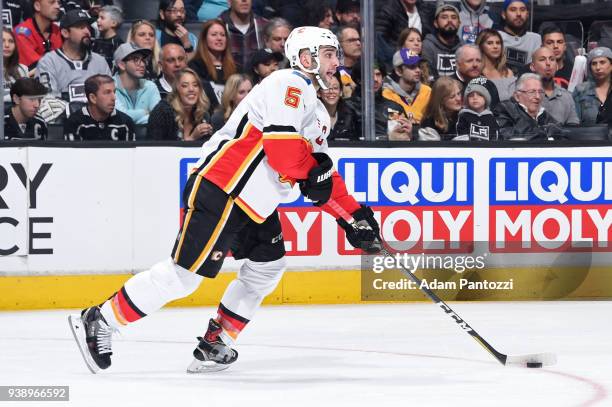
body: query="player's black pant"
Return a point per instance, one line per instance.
(214, 224)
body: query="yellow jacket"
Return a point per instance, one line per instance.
(418, 106)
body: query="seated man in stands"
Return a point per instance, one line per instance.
(408, 91)
(171, 29)
(136, 96)
(469, 70)
(554, 38)
(65, 70)
(558, 102)
(172, 59)
(99, 120)
(21, 121)
(38, 35)
(523, 117)
(519, 43)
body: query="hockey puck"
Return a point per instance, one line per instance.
(534, 364)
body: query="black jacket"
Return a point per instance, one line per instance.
(515, 123)
(392, 19)
(477, 126)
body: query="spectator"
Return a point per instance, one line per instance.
(21, 121)
(99, 120)
(184, 115)
(65, 70)
(142, 34)
(593, 96)
(237, 87)
(136, 96)
(350, 42)
(554, 38)
(475, 17)
(341, 119)
(495, 69)
(407, 91)
(440, 121)
(347, 13)
(557, 101)
(469, 68)
(13, 70)
(14, 12)
(390, 122)
(520, 44)
(412, 39)
(264, 63)
(245, 30)
(213, 61)
(38, 35)
(204, 10)
(476, 122)
(173, 58)
(171, 29)
(397, 15)
(318, 14)
(110, 19)
(275, 34)
(439, 48)
(523, 117)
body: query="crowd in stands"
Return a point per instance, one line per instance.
(442, 71)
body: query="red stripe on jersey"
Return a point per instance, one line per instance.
(289, 156)
(230, 323)
(125, 309)
(230, 163)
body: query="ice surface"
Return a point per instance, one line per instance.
(346, 355)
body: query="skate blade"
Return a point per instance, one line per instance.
(78, 331)
(207, 366)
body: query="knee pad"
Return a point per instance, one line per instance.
(262, 278)
(174, 279)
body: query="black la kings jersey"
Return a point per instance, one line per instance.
(33, 129)
(81, 126)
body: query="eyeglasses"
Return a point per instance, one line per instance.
(533, 92)
(333, 89)
(176, 10)
(139, 60)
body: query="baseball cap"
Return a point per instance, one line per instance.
(74, 17)
(445, 7)
(508, 2)
(599, 52)
(127, 49)
(405, 57)
(261, 56)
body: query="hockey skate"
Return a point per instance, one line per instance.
(93, 337)
(212, 354)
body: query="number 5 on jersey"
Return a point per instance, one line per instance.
(292, 97)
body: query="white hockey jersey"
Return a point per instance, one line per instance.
(267, 143)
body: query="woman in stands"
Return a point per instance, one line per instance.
(319, 14)
(142, 34)
(237, 87)
(213, 60)
(342, 123)
(412, 39)
(495, 69)
(13, 70)
(592, 98)
(184, 114)
(442, 112)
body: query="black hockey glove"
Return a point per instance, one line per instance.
(318, 186)
(364, 233)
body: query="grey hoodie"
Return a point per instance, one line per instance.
(440, 56)
(395, 87)
(473, 21)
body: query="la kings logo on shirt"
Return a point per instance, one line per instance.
(446, 64)
(516, 56)
(7, 17)
(479, 132)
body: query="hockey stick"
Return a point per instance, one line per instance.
(533, 360)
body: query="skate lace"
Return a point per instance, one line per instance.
(104, 339)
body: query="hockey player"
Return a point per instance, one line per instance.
(274, 139)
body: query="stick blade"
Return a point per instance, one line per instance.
(546, 359)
